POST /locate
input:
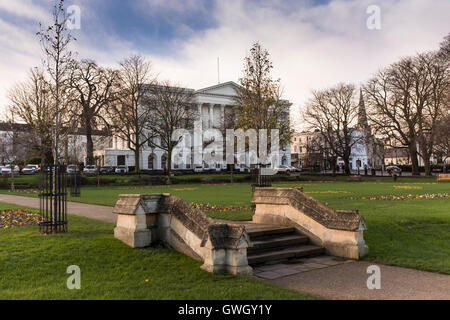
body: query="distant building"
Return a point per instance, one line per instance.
(213, 105)
(397, 156)
(17, 143)
(308, 148)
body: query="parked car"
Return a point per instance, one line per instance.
(121, 170)
(90, 170)
(7, 169)
(198, 169)
(393, 170)
(284, 169)
(29, 169)
(106, 170)
(71, 168)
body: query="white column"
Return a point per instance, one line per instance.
(198, 138)
(222, 115)
(211, 115)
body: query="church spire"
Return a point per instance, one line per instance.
(363, 124)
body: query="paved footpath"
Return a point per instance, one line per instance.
(97, 212)
(328, 277)
(337, 279)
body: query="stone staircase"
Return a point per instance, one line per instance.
(275, 244)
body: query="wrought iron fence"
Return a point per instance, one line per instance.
(260, 180)
(53, 200)
(75, 182)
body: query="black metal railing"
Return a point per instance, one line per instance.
(75, 182)
(53, 200)
(259, 179)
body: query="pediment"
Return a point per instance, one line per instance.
(226, 89)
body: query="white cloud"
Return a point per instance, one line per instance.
(24, 8)
(312, 47)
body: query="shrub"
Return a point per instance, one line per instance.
(34, 160)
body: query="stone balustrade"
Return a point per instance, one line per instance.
(340, 232)
(143, 220)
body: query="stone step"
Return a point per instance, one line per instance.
(278, 242)
(267, 233)
(276, 256)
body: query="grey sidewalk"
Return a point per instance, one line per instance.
(97, 212)
(347, 280)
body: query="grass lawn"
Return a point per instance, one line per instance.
(33, 266)
(411, 233)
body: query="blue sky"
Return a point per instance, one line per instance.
(313, 44)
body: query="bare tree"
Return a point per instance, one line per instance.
(334, 112)
(32, 103)
(444, 50)
(55, 41)
(93, 89)
(435, 102)
(392, 111)
(170, 107)
(406, 101)
(127, 118)
(442, 146)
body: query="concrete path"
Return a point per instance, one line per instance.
(328, 277)
(97, 212)
(338, 279)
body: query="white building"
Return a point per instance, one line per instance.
(213, 104)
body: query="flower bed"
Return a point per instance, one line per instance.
(213, 207)
(18, 217)
(405, 197)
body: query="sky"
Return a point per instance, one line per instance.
(313, 44)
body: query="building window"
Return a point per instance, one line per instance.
(120, 160)
(151, 159)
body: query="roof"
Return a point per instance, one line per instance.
(396, 153)
(23, 127)
(219, 86)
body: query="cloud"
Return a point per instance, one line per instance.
(312, 45)
(24, 8)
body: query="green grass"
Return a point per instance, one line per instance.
(33, 266)
(410, 233)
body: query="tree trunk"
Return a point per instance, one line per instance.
(89, 145)
(414, 160)
(427, 163)
(137, 158)
(347, 166)
(169, 165)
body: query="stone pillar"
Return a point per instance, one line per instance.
(200, 113)
(136, 217)
(211, 115)
(198, 138)
(222, 115)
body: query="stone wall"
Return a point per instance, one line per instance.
(339, 232)
(146, 219)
